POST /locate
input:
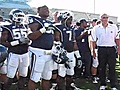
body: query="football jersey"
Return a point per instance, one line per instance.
(83, 43)
(67, 34)
(45, 41)
(15, 33)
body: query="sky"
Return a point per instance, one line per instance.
(111, 7)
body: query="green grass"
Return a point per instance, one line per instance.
(88, 85)
(84, 84)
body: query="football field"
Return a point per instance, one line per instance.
(85, 84)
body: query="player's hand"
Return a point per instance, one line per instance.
(47, 28)
(94, 54)
(24, 40)
(118, 50)
(43, 30)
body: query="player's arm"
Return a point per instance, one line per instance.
(81, 35)
(35, 33)
(56, 35)
(76, 51)
(93, 42)
(4, 37)
(74, 41)
(117, 39)
(93, 48)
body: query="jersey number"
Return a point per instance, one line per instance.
(18, 33)
(69, 35)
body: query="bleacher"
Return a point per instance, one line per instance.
(5, 8)
(86, 15)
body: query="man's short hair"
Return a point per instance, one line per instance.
(104, 14)
(41, 7)
(81, 21)
(94, 20)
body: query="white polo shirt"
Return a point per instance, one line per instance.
(105, 36)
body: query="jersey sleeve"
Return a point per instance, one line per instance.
(31, 20)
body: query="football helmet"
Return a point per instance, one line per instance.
(17, 15)
(3, 53)
(63, 15)
(59, 54)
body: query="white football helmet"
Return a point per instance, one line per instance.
(63, 15)
(17, 15)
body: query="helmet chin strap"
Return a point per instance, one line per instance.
(66, 22)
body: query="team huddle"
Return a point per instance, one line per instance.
(47, 50)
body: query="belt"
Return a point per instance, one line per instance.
(41, 51)
(106, 46)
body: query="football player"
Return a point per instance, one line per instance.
(3, 61)
(94, 68)
(55, 71)
(42, 42)
(65, 34)
(14, 37)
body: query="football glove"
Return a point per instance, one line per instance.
(59, 54)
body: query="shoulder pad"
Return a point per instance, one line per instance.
(31, 18)
(6, 27)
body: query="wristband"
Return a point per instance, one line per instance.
(57, 43)
(49, 52)
(14, 43)
(77, 54)
(42, 30)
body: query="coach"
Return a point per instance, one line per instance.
(106, 37)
